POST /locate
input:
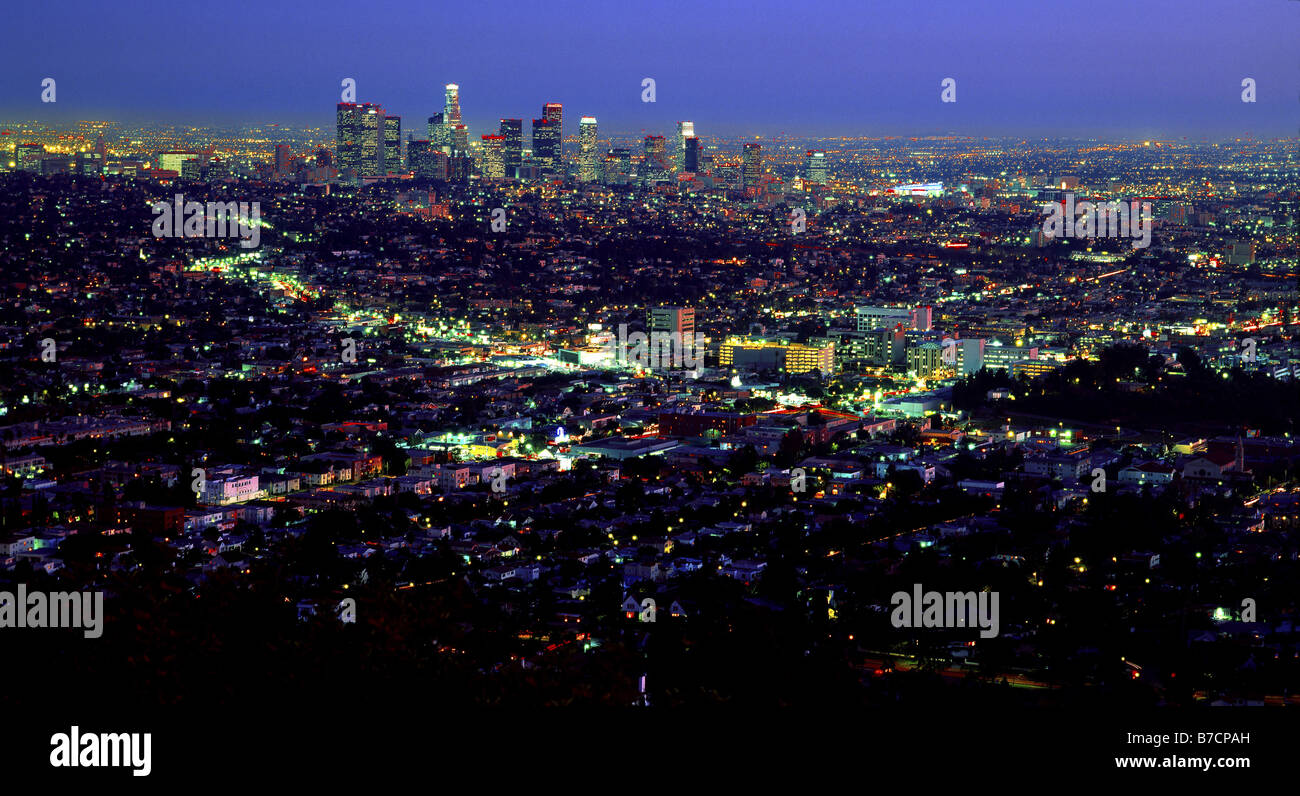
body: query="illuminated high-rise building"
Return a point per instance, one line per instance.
(546, 145)
(392, 144)
(451, 105)
(656, 158)
(814, 166)
(512, 148)
(548, 139)
(751, 163)
(618, 166)
(425, 161)
(684, 130)
(361, 137)
(439, 134)
(460, 140)
(417, 157)
(493, 166)
(587, 149)
(691, 155)
(554, 112)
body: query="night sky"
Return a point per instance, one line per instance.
(1141, 68)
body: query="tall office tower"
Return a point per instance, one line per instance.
(439, 134)
(494, 167)
(684, 130)
(512, 151)
(459, 167)
(392, 144)
(691, 155)
(418, 158)
(361, 137)
(751, 161)
(27, 157)
(460, 140)
(554, 112)
(618, 166)
(814, 166)
(546, 146)
(587, 149)
(656, 158)
(426, 162)
(451, 105)
(282, 158)
(101, 148)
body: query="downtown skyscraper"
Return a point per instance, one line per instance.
(493, 160)
(451, 105)
(392, 144)
(512, 130)
(691, 154)
(443, 126)
(587, 155)
(360, 135)
(548, 139)
(656, 158)
(684, 130)
(751, 162)
(814, 166)
(439, 135)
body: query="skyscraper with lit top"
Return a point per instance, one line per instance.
(587, 150)
(685, 130)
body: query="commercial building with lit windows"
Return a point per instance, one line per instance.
(744, 354)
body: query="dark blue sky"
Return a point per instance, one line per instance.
(1096, 67)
